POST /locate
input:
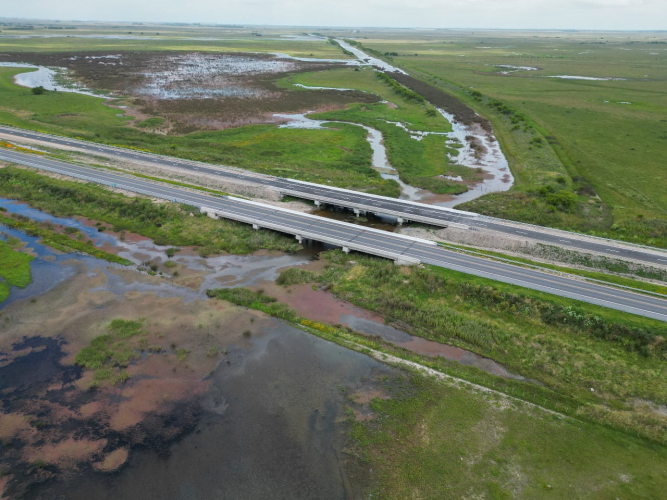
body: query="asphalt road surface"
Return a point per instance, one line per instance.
(352, 199)
(363, 239)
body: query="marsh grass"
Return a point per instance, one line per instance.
(59, 241)
(295, 276)
(110, 353)
(14, 268)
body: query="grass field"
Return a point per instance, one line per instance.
(599, 145)
(433, 441)
(137, 38)
(14, 269)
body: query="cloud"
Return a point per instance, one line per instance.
(521, 14)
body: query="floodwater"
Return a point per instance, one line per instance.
(51, 268)
(320, 305)
(270, 428)
(371, 61)
(270, 422)
(510, 68)
(487, 156)
(570, 77)
(207, 76)
(49, 78)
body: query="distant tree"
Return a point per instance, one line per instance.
(38, 90)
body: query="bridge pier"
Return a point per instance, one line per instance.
(399, 220)
(209, 213)
(356, 211)
(299, 238)
(255, 227)
(346, 250)
(317, 203)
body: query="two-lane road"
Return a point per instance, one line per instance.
(352, 199)
(356, 237)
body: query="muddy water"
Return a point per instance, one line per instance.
(488, 156)
(372, 61)
(270, 419)
(320, 305)
(270, 429)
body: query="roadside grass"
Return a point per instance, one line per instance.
(164, 223)
(611, 279)
(600, 146)
(340, 155)
(432, 436)
(14, 269)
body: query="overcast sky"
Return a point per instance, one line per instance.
(573, 14)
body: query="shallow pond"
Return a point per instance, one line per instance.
(49, 78)
(270, 428)
(269, 424)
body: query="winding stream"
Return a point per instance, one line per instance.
(479, 149)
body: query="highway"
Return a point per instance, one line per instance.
(402, 209)
(402, 249)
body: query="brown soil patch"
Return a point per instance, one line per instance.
(462, 112)
(14, 425)
(113, 461)
(318, 305)
(67, 453)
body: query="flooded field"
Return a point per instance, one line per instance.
(477, 149)
(191, 90)
(221, 396)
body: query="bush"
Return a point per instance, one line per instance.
(295, 276)
(38, 90)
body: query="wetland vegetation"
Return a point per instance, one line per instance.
(14, 267)
(135, 366)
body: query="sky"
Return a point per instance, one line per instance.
(504, 14)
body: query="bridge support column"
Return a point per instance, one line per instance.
(356, 211)
(210, 214)
(255, 227)
(399, 220)
(298, 238)
(318, 203)
(346, 250)
(400, 262)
